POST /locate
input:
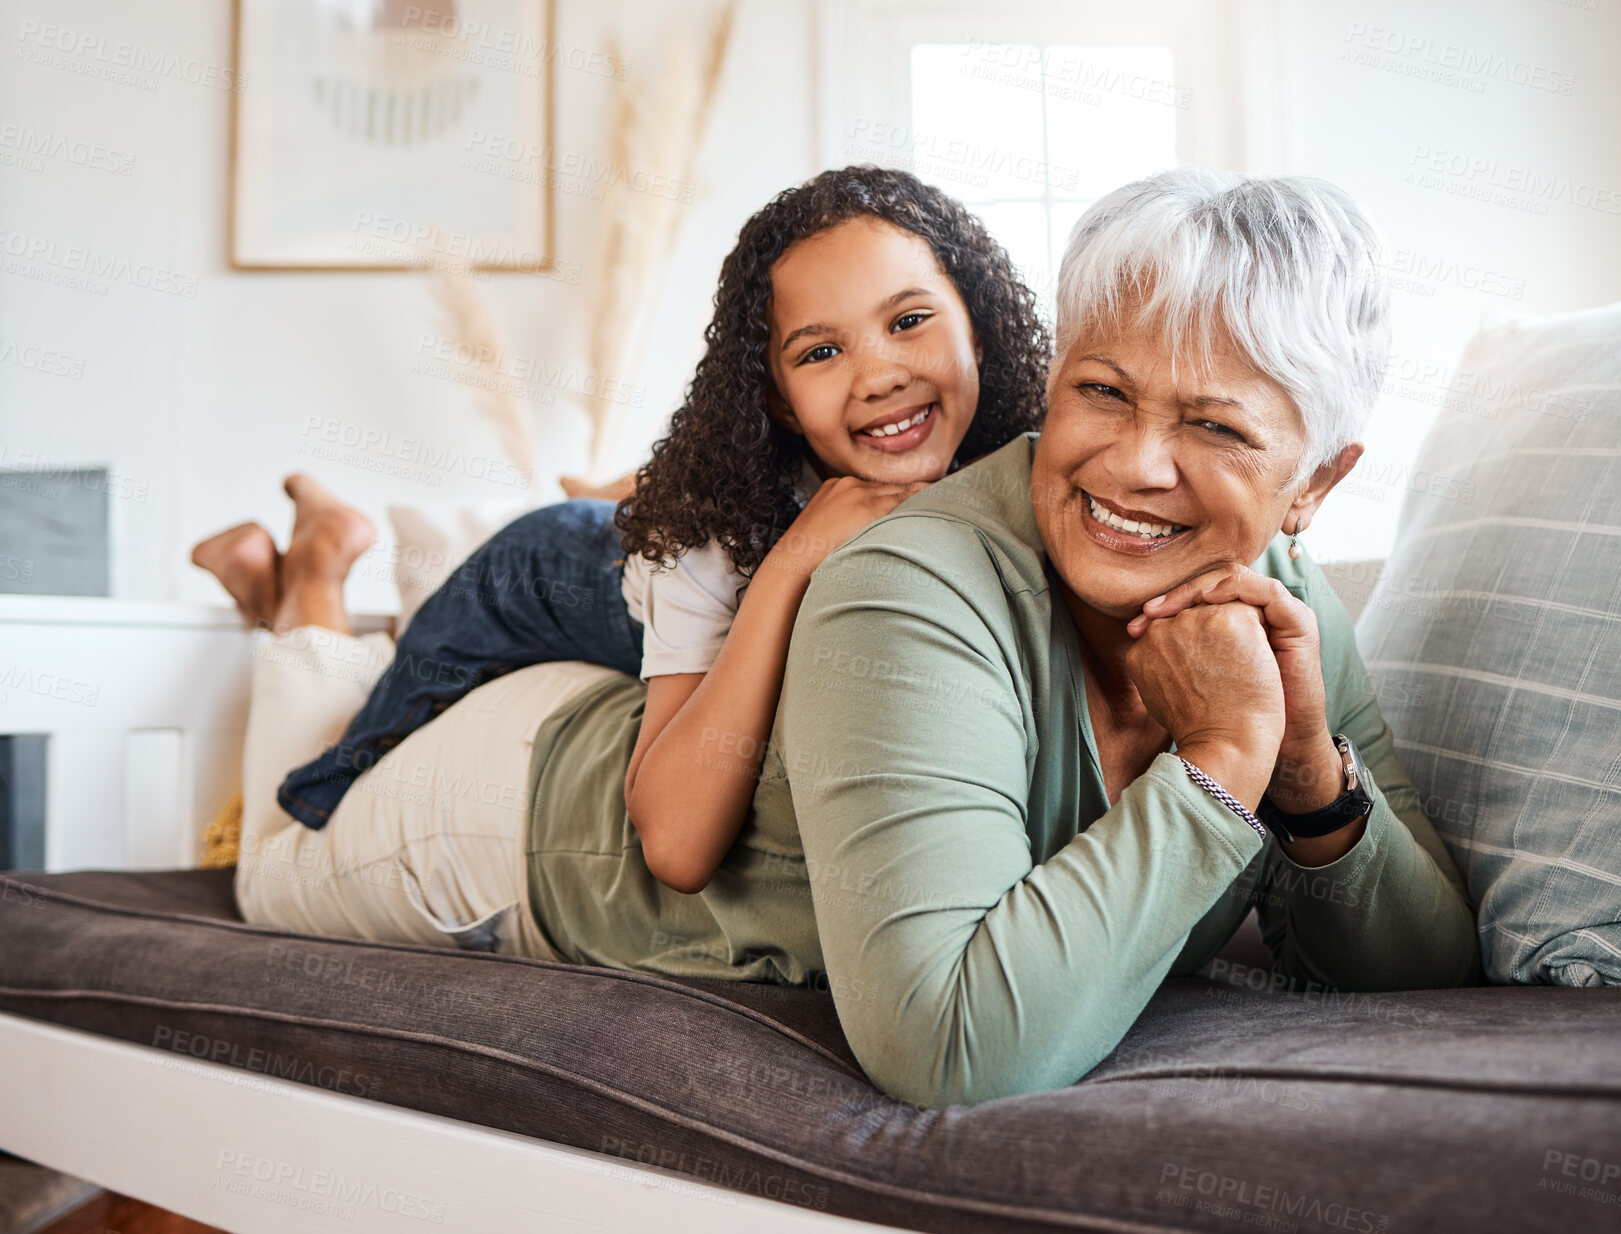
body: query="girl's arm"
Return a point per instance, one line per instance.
(703, 737)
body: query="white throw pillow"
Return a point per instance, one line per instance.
(1495, 638)
(431, 541)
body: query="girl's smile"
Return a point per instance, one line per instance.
(899, 431)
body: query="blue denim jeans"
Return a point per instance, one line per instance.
(545, 587)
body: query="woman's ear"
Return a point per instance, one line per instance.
(1320, 486)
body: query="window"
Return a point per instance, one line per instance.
(1031, 110)
(1029, 135)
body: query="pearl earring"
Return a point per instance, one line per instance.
(1294, 543)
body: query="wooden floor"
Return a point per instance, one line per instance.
(107, 1213)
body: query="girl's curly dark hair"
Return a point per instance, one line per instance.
(726, 470)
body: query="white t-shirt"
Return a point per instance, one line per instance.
(687, 606)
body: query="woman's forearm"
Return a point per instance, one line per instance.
(1391, 911)
(691, 792)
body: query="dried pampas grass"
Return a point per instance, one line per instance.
(657, 130)
(476, 331)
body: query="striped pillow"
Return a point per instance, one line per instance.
(1494, 637)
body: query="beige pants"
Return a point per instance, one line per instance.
(428, 846)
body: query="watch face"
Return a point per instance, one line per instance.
(1356, 774)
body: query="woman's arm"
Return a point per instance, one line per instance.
(1391, 913)
(970, 958)
(697, 759)
(1378, 904)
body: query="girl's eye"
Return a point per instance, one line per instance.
(914, 318)
(822, 351)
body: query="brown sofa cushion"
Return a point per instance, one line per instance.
(1228, 1105)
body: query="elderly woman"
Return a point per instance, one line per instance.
(1047, 732)
(1094, 706)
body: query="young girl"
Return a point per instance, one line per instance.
(867, 334)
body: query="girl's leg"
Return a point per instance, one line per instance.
(544, 588)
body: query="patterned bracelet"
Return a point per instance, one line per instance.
(1226, 798)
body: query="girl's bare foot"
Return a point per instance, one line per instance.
(327, 537)
(245, 560)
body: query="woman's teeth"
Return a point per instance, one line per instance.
(900, 426)
(1151, 531)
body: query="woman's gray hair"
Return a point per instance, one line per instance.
(1287, 267)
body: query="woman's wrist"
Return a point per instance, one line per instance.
(1241, 771)
(1307, 777)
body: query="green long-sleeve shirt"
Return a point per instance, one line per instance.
(1011, 923)
(987, 922)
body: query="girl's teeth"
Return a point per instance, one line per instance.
(1150, 531)
(900, 426)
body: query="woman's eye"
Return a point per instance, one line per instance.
(914, 318)
(1220, 428)
(1101, 390)
(822, 351)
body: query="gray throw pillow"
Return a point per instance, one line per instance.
(1494, 641)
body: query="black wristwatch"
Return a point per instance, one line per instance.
(1350, 806)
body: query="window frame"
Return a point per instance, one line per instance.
(1225, 52)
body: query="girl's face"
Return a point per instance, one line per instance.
(869, 333)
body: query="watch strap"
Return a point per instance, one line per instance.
(1347, 808)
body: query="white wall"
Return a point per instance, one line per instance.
(201, 404)
(1412, 107)
(1384, 98)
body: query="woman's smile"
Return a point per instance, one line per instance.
(1134, 537)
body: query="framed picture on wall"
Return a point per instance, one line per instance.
(392, 134)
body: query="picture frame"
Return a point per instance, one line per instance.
(374, 135)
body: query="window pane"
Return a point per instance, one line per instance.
(1030, 136)
(1021, 228)
(1111, 116)
(1065, 215)
(976, 121)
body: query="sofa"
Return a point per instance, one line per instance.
(262, 1080)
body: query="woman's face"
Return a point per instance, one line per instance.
(1193, 461)
(868, 332)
